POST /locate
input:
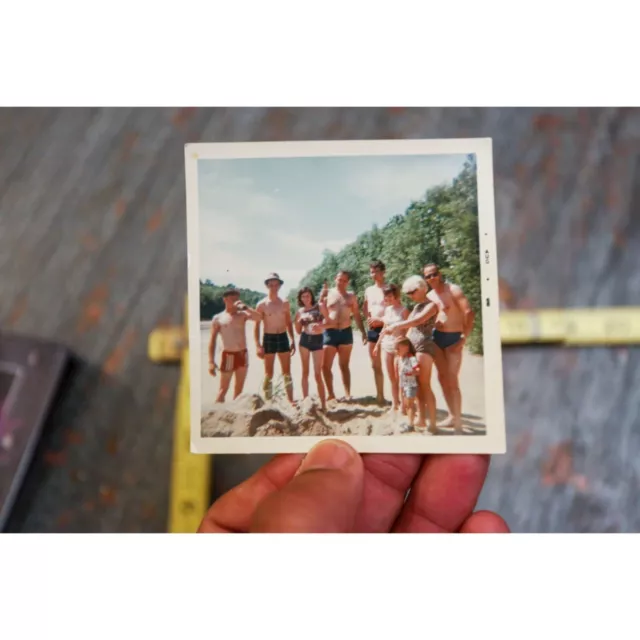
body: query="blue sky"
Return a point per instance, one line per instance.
(280, 214)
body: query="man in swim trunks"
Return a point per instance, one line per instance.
(230, 325)
(276, 317)
(339, 306)
(454, 324)
(373, 311)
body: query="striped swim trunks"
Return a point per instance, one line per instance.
(233, 360)
(275, 343)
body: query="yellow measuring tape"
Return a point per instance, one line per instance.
(572, 327)
(191, 473)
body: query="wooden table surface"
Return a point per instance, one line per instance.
(93, 254)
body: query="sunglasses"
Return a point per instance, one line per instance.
(429, 276)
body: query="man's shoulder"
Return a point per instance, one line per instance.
(218, 316)
(454, 289)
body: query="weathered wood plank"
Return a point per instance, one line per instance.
(92, 253)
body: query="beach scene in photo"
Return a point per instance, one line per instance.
(345, 228)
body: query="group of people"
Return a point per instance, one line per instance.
(407, 344)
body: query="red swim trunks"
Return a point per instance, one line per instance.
(233, 360)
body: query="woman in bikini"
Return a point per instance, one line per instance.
(394, 311)
(310, 324)
(419, 327)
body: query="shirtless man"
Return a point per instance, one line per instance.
(230, 325)
(373, 311)
(276, 317)
(339, 306)
(454, 325)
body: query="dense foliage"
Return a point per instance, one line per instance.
(211, 298)
(442, 227)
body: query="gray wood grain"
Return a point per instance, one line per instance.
(92, 254)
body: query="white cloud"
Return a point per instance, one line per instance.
(389, 186)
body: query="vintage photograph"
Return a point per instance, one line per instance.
(344, 289)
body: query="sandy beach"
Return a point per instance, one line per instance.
(250, 415)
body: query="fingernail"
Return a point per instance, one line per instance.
(328, 454)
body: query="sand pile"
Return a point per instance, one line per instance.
(250, 415)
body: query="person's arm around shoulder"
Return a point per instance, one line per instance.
(429, 311)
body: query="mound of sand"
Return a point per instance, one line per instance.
(250, 415)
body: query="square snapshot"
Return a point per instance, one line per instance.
(344, 289)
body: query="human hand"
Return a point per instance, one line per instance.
(365, 339)
(328, 491)
(213, 368)
(292, 350)
(375, 322)
(260, 352)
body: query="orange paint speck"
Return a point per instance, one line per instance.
(183, 115)
(619, 238)
(93, 308)
(112, 446)
(155, 221)
(558, 467)
(523, 444)
(64, 519)
(120, 208)
(107, 495)
(547, 122)
(73, 437)
(55, 458)
(89, 242)
(116, 359)
(505, 293)
(18, 310)
(129, 143)
(164, 393)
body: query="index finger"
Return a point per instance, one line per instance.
(443, 494)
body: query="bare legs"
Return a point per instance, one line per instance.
(317, 370)
(426, 399)
(448, 363)
(238, 383)
(317, 356)
(285, 366)
(376, 364)
(390, 362)
(344, 355)
(327, 363)
(304, 383)
(225, 381)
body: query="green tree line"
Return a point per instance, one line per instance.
(441, 227)
(211, 298)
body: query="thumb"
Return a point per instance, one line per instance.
(323, 496)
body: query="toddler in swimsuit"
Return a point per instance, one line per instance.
(408, 369)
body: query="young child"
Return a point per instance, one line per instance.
(408, 369)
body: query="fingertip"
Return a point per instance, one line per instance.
(485, 522)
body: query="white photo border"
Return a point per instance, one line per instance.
(494, 441)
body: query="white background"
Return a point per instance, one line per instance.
(331, 53)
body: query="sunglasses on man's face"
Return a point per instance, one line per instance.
(428, 276)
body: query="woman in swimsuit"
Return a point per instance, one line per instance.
(419, 326)
(309, 323)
